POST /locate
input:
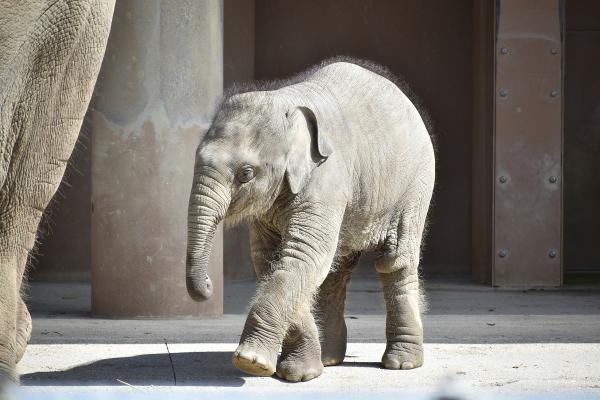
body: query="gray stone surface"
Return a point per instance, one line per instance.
(458, 313)
(489, 341)
(516, 367)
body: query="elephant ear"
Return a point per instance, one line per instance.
(309, 147)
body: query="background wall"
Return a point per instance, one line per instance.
(582, 137)
(430, 42)
(238, 66)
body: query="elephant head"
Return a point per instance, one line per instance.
(256, 147)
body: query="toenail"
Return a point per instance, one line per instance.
(407, 365)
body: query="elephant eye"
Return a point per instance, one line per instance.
(245, 174)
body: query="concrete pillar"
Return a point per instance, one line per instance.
(160, 80)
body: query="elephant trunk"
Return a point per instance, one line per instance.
(207, 208)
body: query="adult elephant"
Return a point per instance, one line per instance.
(50, 55)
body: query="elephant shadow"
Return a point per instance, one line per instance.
(185, 369)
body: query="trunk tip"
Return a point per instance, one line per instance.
(198, 289)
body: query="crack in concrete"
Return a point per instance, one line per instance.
(171, 361)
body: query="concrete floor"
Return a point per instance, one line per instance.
(480, 339)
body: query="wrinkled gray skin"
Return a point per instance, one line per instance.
(336, 164)
(50, 55)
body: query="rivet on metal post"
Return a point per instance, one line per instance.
(502, 179)
(552, 253)
(554, 52)
(502, 253)
(504, 50)
(503, 92)
(553, 179)
(553, 93)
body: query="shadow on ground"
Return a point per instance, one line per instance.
(189, 369)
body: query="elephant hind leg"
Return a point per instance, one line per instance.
(402, 246)
(404, 329)
(307, 348)
(399, 275)
(329, 310)
(23, 329)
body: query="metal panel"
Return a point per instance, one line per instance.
(528, 144)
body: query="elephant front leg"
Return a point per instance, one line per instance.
(276, 309)
(285, 296)
(257, 352)
(282, 311)
(300, 358)
(281, 318)
(404, 329)
(272, 313)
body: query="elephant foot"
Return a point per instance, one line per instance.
(254, 361)
(333, 343)
(332, 358)
(399, 355)
(300, 364)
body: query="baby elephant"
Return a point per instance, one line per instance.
(324, 166)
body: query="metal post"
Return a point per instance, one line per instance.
(527, 187)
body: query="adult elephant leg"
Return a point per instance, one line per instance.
(329, 310)
(17, 236)
(8, 320)
(23, 328)
(50, 55)
(24, 325)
